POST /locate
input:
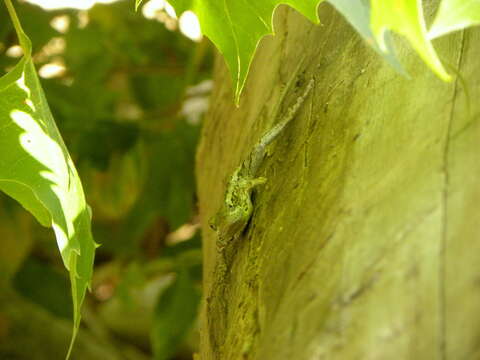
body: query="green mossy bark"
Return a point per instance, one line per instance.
(364, 242)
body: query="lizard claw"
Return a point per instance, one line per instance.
(258, 181)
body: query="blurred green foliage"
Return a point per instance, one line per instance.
(118, 103)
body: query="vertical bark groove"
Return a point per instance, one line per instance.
(442, 271)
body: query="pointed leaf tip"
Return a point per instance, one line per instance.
(236, 28)
(406, 18)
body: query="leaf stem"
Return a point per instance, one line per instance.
(18, 27)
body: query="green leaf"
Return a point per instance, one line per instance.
(137, 4)
(406, 18)
(37, 171)
(357, 13)
(236, 27)
(455, 15)
(174, 315)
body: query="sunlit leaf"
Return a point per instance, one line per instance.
(406, 18)
(455, 15)
(236, 27)
(357, 13)
(37, 171)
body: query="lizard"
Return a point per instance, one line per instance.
(236, 210)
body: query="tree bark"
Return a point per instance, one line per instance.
(364, 242)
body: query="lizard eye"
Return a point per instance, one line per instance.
(212, 224)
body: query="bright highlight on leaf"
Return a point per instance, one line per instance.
(406, 18)
(37, 171)
(455, 15)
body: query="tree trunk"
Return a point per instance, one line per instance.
(364, 242)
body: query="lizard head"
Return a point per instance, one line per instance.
(230, 220)
(236, 209)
